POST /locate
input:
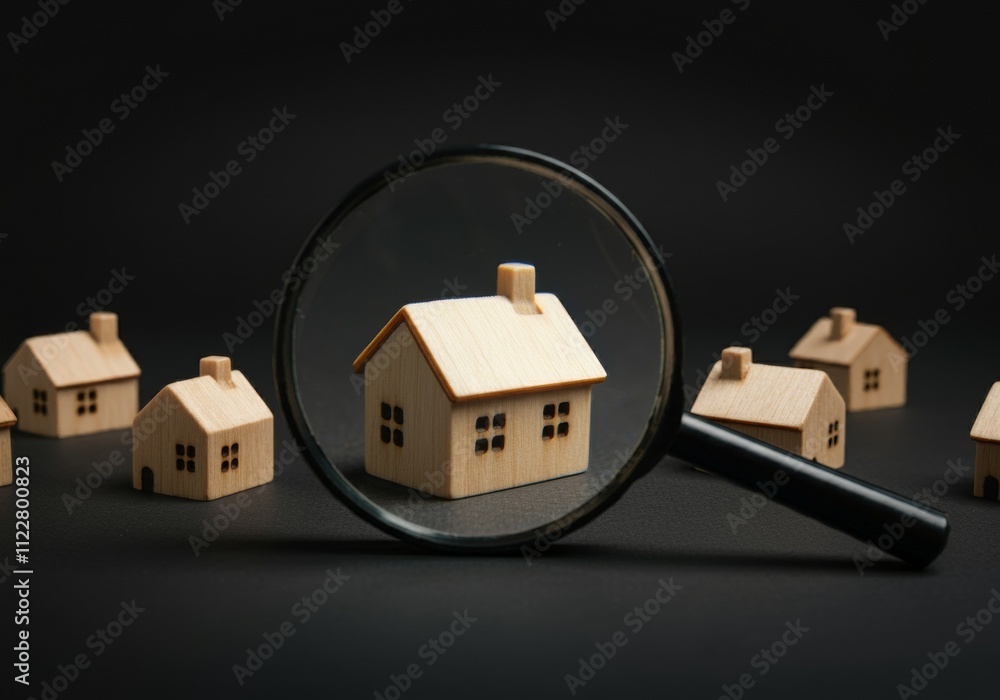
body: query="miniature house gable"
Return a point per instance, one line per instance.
(204, 438)
(466, 396)
(74, 383)
(7, 421)
(986, 433)
(863, 360)
(796, 409)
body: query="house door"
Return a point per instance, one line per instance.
(991, 488)
(147, 479)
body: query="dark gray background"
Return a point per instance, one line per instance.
(781, 230)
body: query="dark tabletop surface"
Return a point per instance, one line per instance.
(778, 601)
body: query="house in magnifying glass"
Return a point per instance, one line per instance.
(865, 363)
(986, 433)
(798, 410)
(468, 396)
(7, 421)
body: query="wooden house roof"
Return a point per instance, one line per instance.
(987, 425)
(822, 344)
(7, 417)
(487, 346)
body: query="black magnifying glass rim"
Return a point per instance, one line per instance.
(663, 421)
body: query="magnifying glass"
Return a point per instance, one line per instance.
(433, 234)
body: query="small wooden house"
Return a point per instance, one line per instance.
(986, 433)
(73, 383)
(467, 396)
(7, 421)
(798, 410)
(866, 364)
(212, 436)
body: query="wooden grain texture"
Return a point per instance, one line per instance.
(75, 383)
(450, 366)
(204, 438)
(986, 432)
(796, 409)
(7, 421)
(865, 363)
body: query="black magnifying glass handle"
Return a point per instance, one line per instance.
(885, 520)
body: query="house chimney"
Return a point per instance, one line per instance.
(218, 368)
(516, 281)
(104, 327)
(736, 363)
(843, 322)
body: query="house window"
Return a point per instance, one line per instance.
(230, 457)
(86, 402)
(494, 442)
(871, 379)
(549, 413)
(391, 415)
(185, 457)
(41, 404)
(833, 434)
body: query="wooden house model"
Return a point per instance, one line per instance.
(986, 433)
(866, 364)
(73, 383)
(468, 396)
(213, 436)
(798, 410)
(7, 421)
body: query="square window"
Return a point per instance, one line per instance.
(190, 451)
(868, 374)
(93, 408)
(549, 411)
(225, 450)
(235, 463)
(179, 450)
(81, 396)
(386, 434)
(563, 430)
(225, 466)
(875, 373)
(397, 438)
(482, 444)
(564, 408)
(498, 443)
(180, 465)
(397, 415)
(500, 420)
(547, 432)
(386, 411)
(236, 448)
(830, 429)
(482, 423)
(190, 465)
(80, 410)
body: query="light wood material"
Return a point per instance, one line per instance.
(796, 409)
(75, 383)
(7, 420)
(865, 363)
(443, 366)
(986, 433)
(215, 423)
